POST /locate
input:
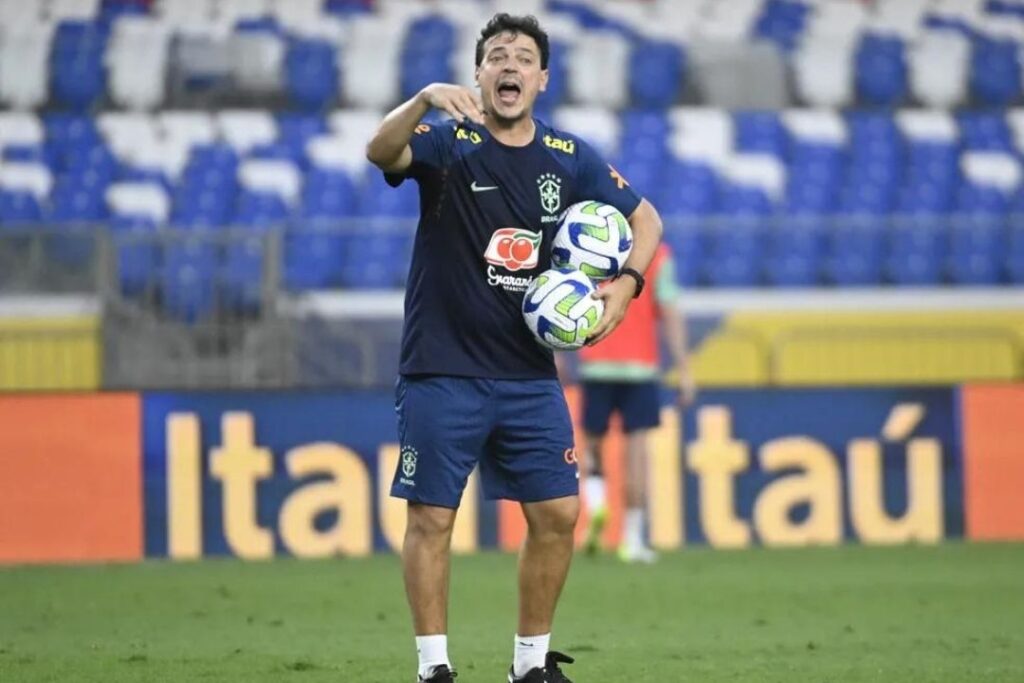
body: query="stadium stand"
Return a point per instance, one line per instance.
(213, 149)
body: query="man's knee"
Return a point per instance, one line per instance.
(553, 516)
(429, 521)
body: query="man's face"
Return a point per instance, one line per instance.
(510, 76)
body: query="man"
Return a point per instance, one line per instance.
(622, 375)
(474, 387)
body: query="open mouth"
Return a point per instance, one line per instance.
(509, 92)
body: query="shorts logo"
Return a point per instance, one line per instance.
(514, 249)
(550, 187)
(409, 456)
(570, 456)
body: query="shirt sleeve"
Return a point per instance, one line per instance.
(599, 181)
(430, 146)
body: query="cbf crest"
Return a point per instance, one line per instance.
(408, 464)
(550, 187)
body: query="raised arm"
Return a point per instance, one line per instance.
(389, 148)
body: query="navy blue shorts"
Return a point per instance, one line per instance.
(518, 432)
(639, 404)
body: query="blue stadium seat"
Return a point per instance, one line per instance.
(782, 22)
(313, 258)
(917, 253)
(77, 75)
(188, 280)
(797, 246)
(995, 71)
(881, 70)
(18, 209)
(760, 132)
(241, 275)
(311, 73)
(426, 55)
(854, 254)
(688, 240)
(138, 254)
(558, 80)
(655, 73)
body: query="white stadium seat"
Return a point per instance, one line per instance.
(136, 60)
(277, 177)
(125, 132)
(938, 66)
(369, 63)
(61, 10)
(20, 128)
(26, 177)
(244, 129)
(928, 125)
(187, 128)
(823, 72)
(992, 169)
(762, 171)
(597, 69)
(818, 126)
(333, 152)
(25, 66)
(597, 125)
(148, 200)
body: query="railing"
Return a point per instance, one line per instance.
(242, 331)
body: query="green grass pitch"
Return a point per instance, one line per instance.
(898, 615)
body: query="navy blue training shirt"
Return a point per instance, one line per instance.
(488, 214)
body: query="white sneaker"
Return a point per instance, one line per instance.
(640, 554)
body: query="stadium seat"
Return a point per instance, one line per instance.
(598, 69)
(244, 129)
(76, 63)
(995, 72)
(823, 71)
(310, 73)
(938, 69)
(25, 65)
(655, 73)
(137, 62)
(881, 70)
(188, 284)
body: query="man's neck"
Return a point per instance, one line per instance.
(517, 134)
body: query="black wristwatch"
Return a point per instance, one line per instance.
(635, 274)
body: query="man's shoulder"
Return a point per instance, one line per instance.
(560, 142)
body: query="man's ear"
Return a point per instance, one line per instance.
(544, 75)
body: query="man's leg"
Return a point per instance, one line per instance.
(634, 547)
(543, 566)
(596, 493)
(425, 564)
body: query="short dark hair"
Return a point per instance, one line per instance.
(506, 23)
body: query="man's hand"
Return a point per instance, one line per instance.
(616, 295)
(461, 103)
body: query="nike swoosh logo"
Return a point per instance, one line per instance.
(525, 644)
(481, 188)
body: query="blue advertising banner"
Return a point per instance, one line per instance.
(308, 474)
(815, 466)
(254, 475)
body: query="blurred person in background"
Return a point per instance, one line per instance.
(622, 375)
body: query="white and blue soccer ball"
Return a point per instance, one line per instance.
(559, 310)
(594, 238)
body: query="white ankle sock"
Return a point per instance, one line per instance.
(633, 528)
(530, 652)
(593, 488)
(432, 651)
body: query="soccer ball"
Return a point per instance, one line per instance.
(594, 238)
(559, 310)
